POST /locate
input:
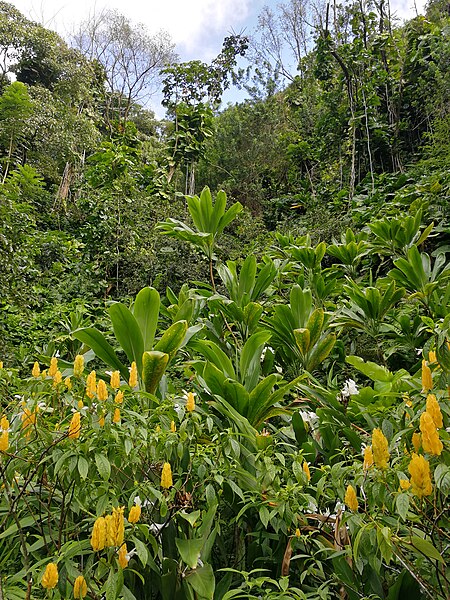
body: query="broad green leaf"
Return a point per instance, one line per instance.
(203, 582)
(154, 364)
(172, 338)
(127, 332)
(146, 312)
(102, 348)
(189, 550)
(423, 546)
(103, 466)
(250, 361)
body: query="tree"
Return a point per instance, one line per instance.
(15, 108)
(130, 57)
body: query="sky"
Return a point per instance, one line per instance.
(197, 27)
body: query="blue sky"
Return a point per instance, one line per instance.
(197, 27)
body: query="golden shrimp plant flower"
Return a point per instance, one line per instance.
(91, 384)
(380, 449)
(50, 577)
(116, 415)
(416, 441)
(102, 391)
(166, 476)
(135, 514)
(190, 402)
(80, 587)
(53, 366)
(78, 365)
(75, 426)
(434, 410)
(119, 525)
(350, 498)
(367, 458)
(133, 380)
(36, 371)
(430, 436)
(4, 434)
(119, 397)
(115, 380)
(306, 470)
(98, 537)
(419, 469)
(123, 556)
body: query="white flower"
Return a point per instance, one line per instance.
(279, 369)
(130, 554)
(349, 389)
(137, 501)
(155, 528)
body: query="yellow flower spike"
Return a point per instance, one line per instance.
(350, 498)
(50, 577)
(432, 356)
(427, 378)
(166, 476)
(157, 429)
(4, 423)
(1, 364)
(98, 537)
(101, 420)
(4, 437)
(430, 436)
(57, 378)
(173, 427)
(416, 441)
(80, 404)
(28, 417)
(119, 397)
(36, 371)
(297, 533)
(68, 383)
(133, 380)
(405, 484)
(110, 531)
(119, 525)
(116, 416)
(75, 426)
(419, 470)
(80, 587)
(123, 556)
(53, 366)
(115, 380)
(78, 365)
(190, 402)
(135, 514)
(91, 384)
(102, 391)
(380, 449)
(44, 374)
(434, 410)
(306, 470)
(367, 458)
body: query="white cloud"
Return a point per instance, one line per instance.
(194, 25)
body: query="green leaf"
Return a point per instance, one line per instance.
(442, 478)
(424, 547)
(370, 369)
(402, 505)
(172, 338)
(83, 467)
(146, 312)
(202, 582)
(250, 362)
(154, 364)
(97, 341)
(127, 332)
(189, 551)
(103, 466)
(141, 550)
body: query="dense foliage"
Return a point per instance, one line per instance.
(242, 393)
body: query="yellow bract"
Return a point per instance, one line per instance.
(380, 449)
(434, 410)
(350, 498)
(419, 470)
(115, 380)
(91, 384)
(173, 427)
(416, 441)
(405, 484)
(75, 426)
(166, 476)
(116, 416)
(4, 435)
(119, 525)
(102, 392)
(119, 397)
(50, 577)
(98, 537)
(430, 436)
(36, 371)
(123, 558)
(80, 587)
(368, 458)
(306, 470)
(132, 382)
(53, 368)
(78, 365)
(135, 514)
(190, 402)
